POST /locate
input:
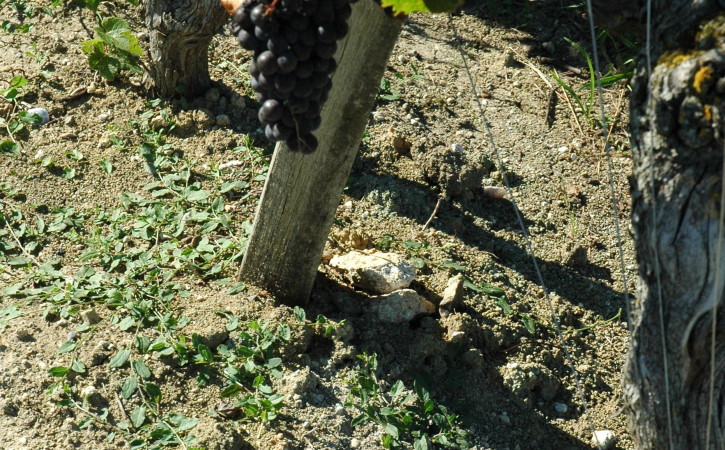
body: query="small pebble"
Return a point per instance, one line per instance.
(354, 443)
(494, 192)
(72, 335)
(223, 120)
(339, 410)
(24, 335)
(69, 120)
(212, 95)
(604, 439)
(560, 408)
(103, 117)
(90, 316)
(42, 112)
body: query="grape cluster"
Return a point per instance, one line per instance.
(293, 43)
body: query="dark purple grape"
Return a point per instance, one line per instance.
(319, 80)
(306, 143)
(300, 23)
(304, 125)
(277, 45)
(298, 105)
(308, 36)
(324, 13)
(316, 122)
(309, 6)
(302, 52)
(313, 110)
(321, 65)
(304, 69)
(325, 50)
(304, 88)
(247, 40)
(288, 118)
(253, 69)
(285, 83)
(326, 33)
(343, 13)
(261, 34)
(290, 4)
(256, 15)
(331, 66)
(342, 28)
(287, 62)
(242, 18)
(291, 35)
(234, 28)
(280, 132)
(267, 63)
(270, 111)
(266, 82)
(255, 86)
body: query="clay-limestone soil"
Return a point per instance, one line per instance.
(123, 222)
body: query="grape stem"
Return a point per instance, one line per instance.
(269, 9)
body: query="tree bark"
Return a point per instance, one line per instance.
(302, 192)
(179, 35)
(677, 142)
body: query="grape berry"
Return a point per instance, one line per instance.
(293, 43)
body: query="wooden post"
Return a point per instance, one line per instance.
(303, 191)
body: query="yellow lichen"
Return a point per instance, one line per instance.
(714, 29)
(701, 76)
(677, 57)
(707, 112)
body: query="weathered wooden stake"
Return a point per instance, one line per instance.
(303, 191)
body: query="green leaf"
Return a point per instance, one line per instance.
(9, 148)
(138, 416)
(300, 314)
(78, 366)
(120, 358)
(141, 369)
(230, 185)
(58, 371)
(230, 391)
(129, 387)
(106, 166)
(420, 443)
(428, 6)
(529, 323)
(197, 196)
(153, 392)
(67, 346)
(503, 304)
(126, 323)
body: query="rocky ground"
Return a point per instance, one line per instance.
(121, 328)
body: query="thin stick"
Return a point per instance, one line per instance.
(432, 216)
(120, 406)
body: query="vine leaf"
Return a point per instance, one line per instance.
(428, 6)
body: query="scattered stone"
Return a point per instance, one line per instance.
(72, 335)
(401, 144)
(458, 174)
(504, 418)
(604, 439)
(42, 112)
(509, 60)
(90, 316)
(527, 379)
(238, 102)
(101, 353)
(212, 95)
(103, 117)
(354, 443)
(158, 121)
(494, 192)
(204, 118)
(560, 408)
(223, 120)
(339, 410)
(215, 340)
(401, 306)
(300, 382)
(375, 272)
(24, 335)
(104, 142)
(452, 296)
(68, 136)
(91, 394)
(578, 257)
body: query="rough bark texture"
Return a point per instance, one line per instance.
(682, 128)
(303, 191)
(179, 35)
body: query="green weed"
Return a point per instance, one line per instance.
(406, 416)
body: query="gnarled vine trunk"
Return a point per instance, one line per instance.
(180, 32)
(677, 141)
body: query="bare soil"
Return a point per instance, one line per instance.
(423, 148)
